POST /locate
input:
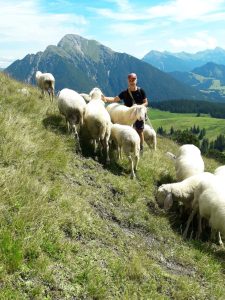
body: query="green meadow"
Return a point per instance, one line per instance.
(73, 228)
(213, 126)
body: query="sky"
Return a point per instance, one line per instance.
(134, 27)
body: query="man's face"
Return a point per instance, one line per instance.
(132, 81)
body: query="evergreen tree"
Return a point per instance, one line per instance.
(202, 134)
(219, 143)
(205, 146)
(171, 130)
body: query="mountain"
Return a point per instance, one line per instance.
(210, 79)
(183, 61)
(82, 64)
(166, 61)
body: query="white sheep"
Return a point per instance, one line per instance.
(86, 97)
(180, 191)
(220, 171)
(209, 202)
(24, 91)
(150, 136)
(124, 115)
(127, 139)
(46, 82)
(97, 121)
(188, 162)
(72, 106)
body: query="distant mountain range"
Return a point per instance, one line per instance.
(184, 62)
(82, 64)
(210, 79)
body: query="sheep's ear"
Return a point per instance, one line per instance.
(171, 155)
(134, 113)
(168, 202)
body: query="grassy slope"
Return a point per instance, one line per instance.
(213, 126)
(72, 229)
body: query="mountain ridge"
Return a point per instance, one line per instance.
(82, 64)
(184, 61)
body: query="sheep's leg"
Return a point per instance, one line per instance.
(132, 167)
(220, 240)
(76, 136)
(120, 152)
(136, 160)
(190, 218)
(117, 153)
(68, 125)
(95, 146)
(106, 147)
(199, 232)
(52, 94)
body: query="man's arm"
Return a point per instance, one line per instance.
(111, 99)
(145, 102)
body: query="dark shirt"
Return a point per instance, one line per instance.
(138, 95)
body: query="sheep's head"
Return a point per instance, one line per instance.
(140, 112)
(164, 197)
(38, 74)
(96, 93)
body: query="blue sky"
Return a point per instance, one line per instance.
(134, 27)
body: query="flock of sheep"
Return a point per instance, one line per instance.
(199, 192)
(111, 125)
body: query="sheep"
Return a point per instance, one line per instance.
(127, 139)
(124, 115)
(24, 91)
(72, 106)
(150, 136)
(209, 202)
(46, 82)
(86, 97)
(97, 121)
(188, 162)
(220, 171)
(180, 191)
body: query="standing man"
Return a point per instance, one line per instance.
(132, 95)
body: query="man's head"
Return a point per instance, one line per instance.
(132, 79)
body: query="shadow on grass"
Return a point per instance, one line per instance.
(204, 244)
(55, 123)
(164, 179)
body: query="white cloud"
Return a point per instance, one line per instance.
(177, 10)
(24, 23)
(199, 41)
(181, 10)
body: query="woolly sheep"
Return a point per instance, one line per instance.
(72, 106)
(97, 121)
(150, 136)
(86, 97)
(180, 191)
(220, 171)
(24, 91)
(124, 115)
(188, 162)
(46, 82)
(209, 202)
(127, 139)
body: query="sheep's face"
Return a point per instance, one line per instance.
(140, 112)
(164, 198)
(96, 93)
